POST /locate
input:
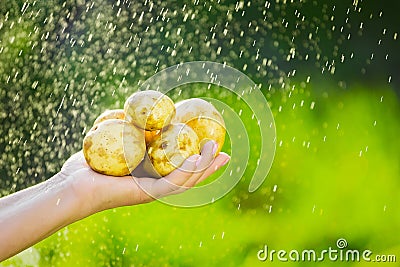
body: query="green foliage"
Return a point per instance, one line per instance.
(334, 176)
(336, 169)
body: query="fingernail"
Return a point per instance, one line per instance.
(215, 147)
(198, 161)
(193, 158)
(225, 162)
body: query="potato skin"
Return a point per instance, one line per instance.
(172, 147)
(110, 114)
(149, 136)
(203, 118)
(149, 110)
(114, 147)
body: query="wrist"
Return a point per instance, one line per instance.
(96, 192)
(81, 191)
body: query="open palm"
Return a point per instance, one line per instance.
(108, 192)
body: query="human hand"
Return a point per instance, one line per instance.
(102, 192)
(77, 192)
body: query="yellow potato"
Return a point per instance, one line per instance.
(171, 147)
(203, 118)
(149, 110)
(110, 114)
(150, 135)
(114, 147)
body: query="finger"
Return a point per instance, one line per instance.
(207, 155)
(183, 173)
(172, 183)
(156, 188)
(221, 160)
(205, 160)
(198, 177)
(186, 177)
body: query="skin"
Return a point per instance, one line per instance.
(77, 192)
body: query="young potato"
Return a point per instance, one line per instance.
(110, 114)
(149, 110)
(114, 147)
(203, 118)
(171, 147)
(150, 135)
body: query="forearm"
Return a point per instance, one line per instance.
(14, 198)
(31, 215)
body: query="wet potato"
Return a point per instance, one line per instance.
(172, 147)
(203, 118)
(149, 136)
(171, 133)
(110, 114)
(114, 147)
(149, 110)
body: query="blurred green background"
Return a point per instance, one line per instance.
(330, 72)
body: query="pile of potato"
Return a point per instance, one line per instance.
(151, 130)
